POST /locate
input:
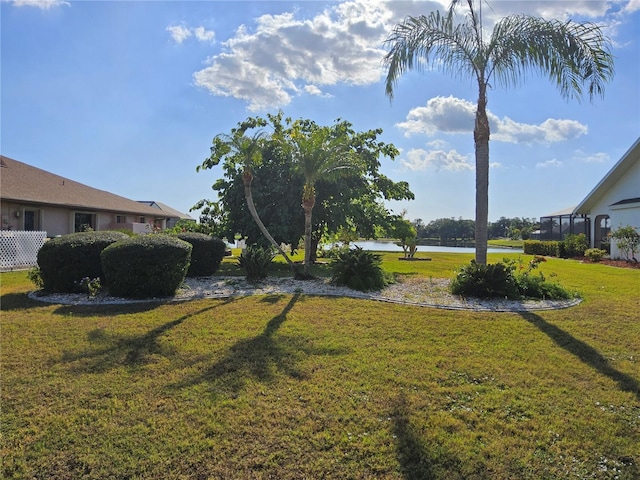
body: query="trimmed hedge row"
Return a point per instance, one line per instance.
(207, 253)
(146, 266)
(64, 261)
(571, 246)
(139, 266)
(549, 248)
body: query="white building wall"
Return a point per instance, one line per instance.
(622, 215)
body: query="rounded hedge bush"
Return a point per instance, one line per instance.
(64, 261)
(207, 253)
(146, 266)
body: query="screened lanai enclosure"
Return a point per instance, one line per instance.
(560, 224)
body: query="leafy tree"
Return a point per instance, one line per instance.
(211, 220)
(276, 191)
(404, 231)
(499, 228)
(571, 54)
(247, 151)
(348, 203)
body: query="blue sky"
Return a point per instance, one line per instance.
(126, 96)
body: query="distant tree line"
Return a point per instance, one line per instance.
(448, 230)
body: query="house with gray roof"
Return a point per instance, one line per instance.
(34, 199)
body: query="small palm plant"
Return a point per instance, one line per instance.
(256, 262)
(358, 269)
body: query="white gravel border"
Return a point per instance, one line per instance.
(432, 292)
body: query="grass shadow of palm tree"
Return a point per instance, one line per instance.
(584, 352)
(89, 310)
(259, 358)
(110, 351)
(417, 458)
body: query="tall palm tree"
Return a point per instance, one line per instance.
(321, 153)
(249, 151)
(572, 55)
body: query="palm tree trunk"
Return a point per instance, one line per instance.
(481, 138)
(248, 178)
(308, 202)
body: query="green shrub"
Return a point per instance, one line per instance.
(547, 248)
(595, 254)
(91, 286)
(334, 251)
(64, 261)
(537, 286)
(207, 253)
(506, 279)
(146, 266)
(485, 281)
(358, 269)
(35, 277)
(574, 245)
(256, 262)
(627, 240)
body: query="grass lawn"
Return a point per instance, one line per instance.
(506, 243)
(303, 387)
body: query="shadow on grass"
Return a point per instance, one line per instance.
(418, 459)
(19, 301)
(584, 352)
(106, 309)
(260, 357)
(114, 351)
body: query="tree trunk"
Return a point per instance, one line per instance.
(308, 202)
(481, 138)
(314, 248)
(248, 178)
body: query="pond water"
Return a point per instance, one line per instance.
(375, 245)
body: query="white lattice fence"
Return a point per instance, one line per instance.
(20, 249)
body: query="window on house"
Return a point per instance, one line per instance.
(29, 220)
(121, 219)
(84, 222)
(143, 220)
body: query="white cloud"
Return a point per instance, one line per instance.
(437, 144)
(550, 131)
(599, 157)
(270, 64)
(419, 159)
(204, 35)
(453, 115)
(561, 10)
(179, 33)
(42, 4)
(632, 6)
(549, 163)
(314, 90)
(441, 114)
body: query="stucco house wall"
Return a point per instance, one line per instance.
(616, 199)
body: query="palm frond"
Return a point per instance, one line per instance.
(573, 55)
(432, 41)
